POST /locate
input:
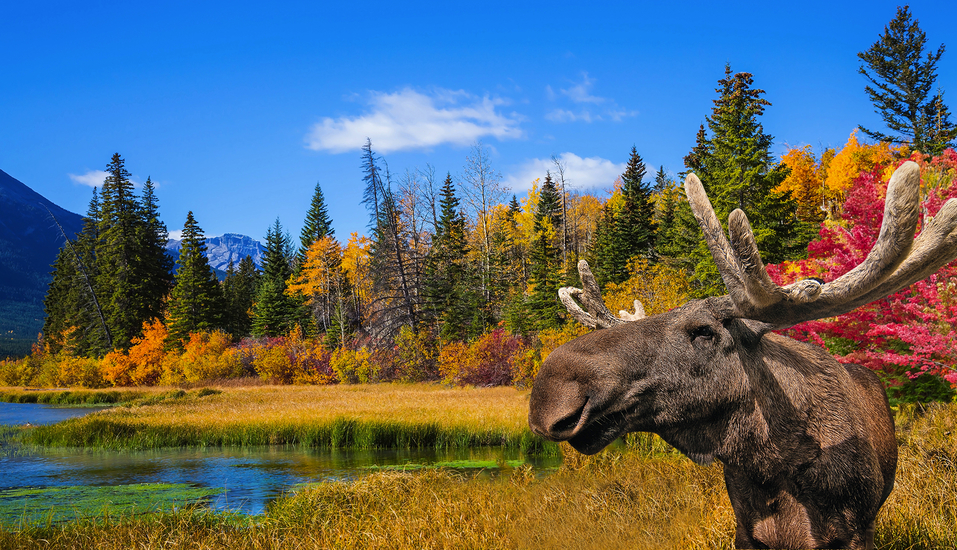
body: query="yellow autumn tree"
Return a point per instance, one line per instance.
(856, 157)
(356, 258)
(805, 182)
(319, 279)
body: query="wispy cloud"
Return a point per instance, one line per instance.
(580, 173)
(586, 106)
(408, 119)
(93, 178)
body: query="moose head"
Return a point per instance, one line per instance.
(807, 443)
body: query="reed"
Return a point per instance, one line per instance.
(356, 416)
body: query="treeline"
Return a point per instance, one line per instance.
(459, 281)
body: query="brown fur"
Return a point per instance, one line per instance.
(807, 444)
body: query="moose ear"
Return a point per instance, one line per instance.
(754, 330)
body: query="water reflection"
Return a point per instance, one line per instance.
(250, 477)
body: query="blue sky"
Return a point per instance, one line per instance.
(236, 110)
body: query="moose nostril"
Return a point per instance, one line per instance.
(568, 422)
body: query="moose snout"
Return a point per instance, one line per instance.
(558, 412)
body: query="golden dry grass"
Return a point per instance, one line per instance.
(362, 416)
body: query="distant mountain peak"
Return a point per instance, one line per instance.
(230, 246)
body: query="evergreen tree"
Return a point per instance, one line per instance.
(239, 290)
(546, 259)
(449, 286)
(118, 254)
(154, 268)
(903, 77)
(633, 234)
(196, 302)
(736, 168)
(275, 312)
(317, 224)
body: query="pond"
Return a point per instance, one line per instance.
(19, 414)
(239, 479)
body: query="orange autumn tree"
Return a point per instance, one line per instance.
(356, 260)
(143, 364)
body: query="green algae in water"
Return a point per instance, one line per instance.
(49, 505)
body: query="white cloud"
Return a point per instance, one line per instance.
(564, 115)
(587, 107)
(408, 119)
(176, 235)
(93, 178)
(580, 173)
(581, 93)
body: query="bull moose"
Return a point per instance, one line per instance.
(807, 443)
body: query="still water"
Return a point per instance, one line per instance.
(249, 477)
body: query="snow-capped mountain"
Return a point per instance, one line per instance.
(219, 250)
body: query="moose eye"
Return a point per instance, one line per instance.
(702, 332)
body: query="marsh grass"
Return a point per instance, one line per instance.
(639, 494)
(339, 417)
(77, 398)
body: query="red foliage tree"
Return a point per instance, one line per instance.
(907, 335)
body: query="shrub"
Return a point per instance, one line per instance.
(353, 367)
(415, 356)
(491, 360)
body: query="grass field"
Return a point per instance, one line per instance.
(639, 496)
(346, 416)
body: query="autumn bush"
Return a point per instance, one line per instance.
(292, 359)
(907, 338)
(353, 366)
(496, 358)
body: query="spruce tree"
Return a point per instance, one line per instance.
(239, 291)
(154, 268)
(545, 260)
(118, 254)
(633, 233)
(317, 224)
(902, 77)
(449, 284)
(196, 302)
(275, 312)
(735, 165)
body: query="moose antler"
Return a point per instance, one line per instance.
(597, 315)
(896, 260)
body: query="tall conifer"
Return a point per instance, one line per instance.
(195, 302)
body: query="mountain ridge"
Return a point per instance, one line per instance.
(29, 242)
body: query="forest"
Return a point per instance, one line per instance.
(457, 279)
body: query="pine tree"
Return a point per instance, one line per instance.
(275, 312)
(196, 302)
(317, 224)
(903, 78)
(239, 292)
(736, 168)
(449, 284)
(154, 269)
(633, 233)
(117, 253)
(545, 261)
